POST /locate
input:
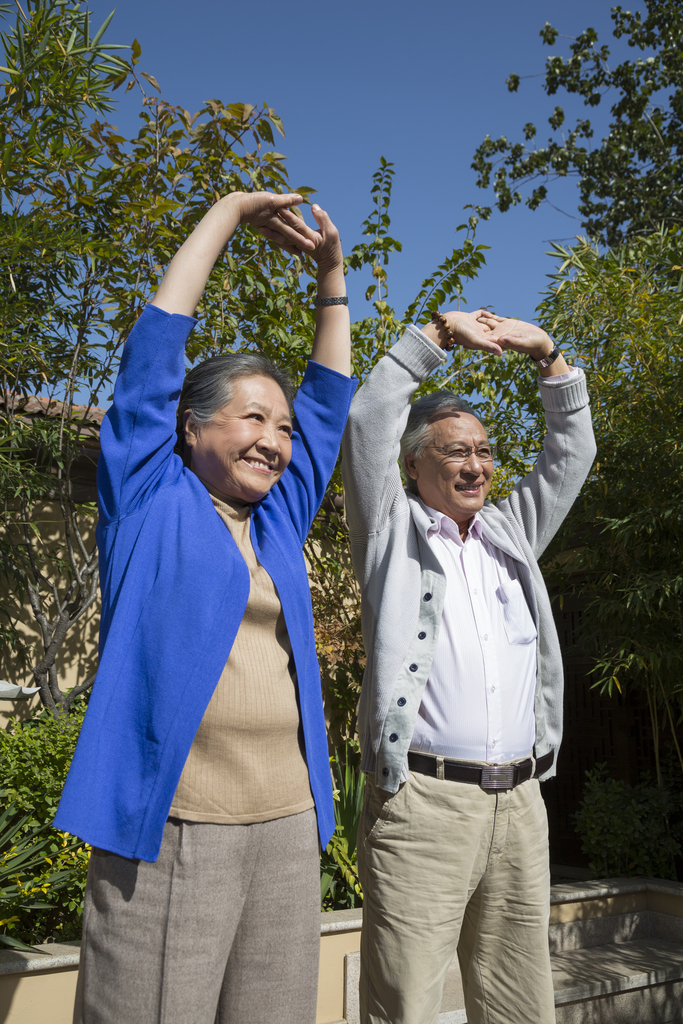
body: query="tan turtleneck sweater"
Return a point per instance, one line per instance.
(247, 760)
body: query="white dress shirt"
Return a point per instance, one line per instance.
(478, 704)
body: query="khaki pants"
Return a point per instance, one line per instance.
(223, 929)
(446, 866)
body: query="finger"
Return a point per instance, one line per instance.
(294, 220)
(289, 199)
(323, 220)
(278, 239)
(298, 236)
(500, 330)
(484, 345)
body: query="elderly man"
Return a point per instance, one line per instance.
(461, 708)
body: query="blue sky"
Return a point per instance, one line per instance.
(418, 83)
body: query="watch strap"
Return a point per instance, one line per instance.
(549, 359)
(331, 300)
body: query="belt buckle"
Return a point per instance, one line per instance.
(498, 776)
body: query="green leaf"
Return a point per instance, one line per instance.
(103, 28)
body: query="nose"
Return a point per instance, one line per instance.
(269, 439)
(472, 464)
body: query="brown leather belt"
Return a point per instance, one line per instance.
(494, 776)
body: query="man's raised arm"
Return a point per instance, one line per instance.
(379, 413)
(542, 499)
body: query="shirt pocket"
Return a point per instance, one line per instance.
(519, 625)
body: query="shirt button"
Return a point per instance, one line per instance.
(385, 771)
(474, 590)
(421, 636)
(393, 737)
(485, 636)
(401, 702)
(493, 689)
(413, 667)
(428, 597)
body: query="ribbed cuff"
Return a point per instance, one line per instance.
(417, 353)
(566, 397)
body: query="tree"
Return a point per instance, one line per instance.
(620, 314)
(87, 223)
(631, 182)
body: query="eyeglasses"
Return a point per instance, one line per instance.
(462, 452)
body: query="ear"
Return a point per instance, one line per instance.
(411, 466)
(190, 428)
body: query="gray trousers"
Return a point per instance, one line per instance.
(223, 929)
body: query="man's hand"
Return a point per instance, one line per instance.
(528, 339)
(516, 335)
(468, 330)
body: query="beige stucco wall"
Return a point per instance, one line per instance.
(47, 997)
(38, 997)
(77, 658)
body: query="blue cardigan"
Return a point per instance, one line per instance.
(174, 591)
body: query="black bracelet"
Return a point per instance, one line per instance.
(334, 300)
(547, 360)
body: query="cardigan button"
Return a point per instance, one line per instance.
(413, 667)
(428, 597)
(393, 737)
(385, 771)
(401, 702)
(422, 635)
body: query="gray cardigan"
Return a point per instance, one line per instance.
(402, 582)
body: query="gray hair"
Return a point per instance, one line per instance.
(210, 385)
(418, 430)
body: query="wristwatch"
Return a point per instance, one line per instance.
(549, 359)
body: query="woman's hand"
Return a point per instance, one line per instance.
(322, 245)
(468, 330)
(273, 217)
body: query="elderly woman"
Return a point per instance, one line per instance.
(201, 777)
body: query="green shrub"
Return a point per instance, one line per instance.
(339, 885)
(37, 872)
(629, 830)
(42, 871)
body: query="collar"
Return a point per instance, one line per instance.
(489, 520)
(443, 526)
(431, 523)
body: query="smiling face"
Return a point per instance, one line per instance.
(457, 489)
(247, 446)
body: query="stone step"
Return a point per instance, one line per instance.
(637, 982)
(617, 967)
